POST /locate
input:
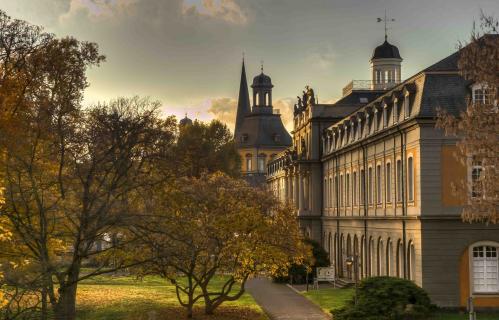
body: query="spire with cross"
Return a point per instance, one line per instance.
(386, 20)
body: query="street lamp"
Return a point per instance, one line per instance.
(353, 260)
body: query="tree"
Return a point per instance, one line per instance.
(201, 227)
(72, 184)
(206, 148)
(478, 126)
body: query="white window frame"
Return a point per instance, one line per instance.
(472, 267)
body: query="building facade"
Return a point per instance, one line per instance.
(259, 132)
(375, 182)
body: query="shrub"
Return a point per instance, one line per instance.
(387, 298)
(298, 273)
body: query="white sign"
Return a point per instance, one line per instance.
(325, 274)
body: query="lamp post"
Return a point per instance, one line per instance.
(353, 260)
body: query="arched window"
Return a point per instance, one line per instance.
(400, 259)
(348, 254)
(411, 261)
(371, 257)
(389, 257)
(362, 264)
(485, 267)
(380, 258)
(410, 179)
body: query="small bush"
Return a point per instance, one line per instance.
(387, 298)
(298, 273)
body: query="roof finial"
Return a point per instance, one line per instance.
(243, 56)
(261, 66)
(385, 20)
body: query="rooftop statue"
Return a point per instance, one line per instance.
(310, 96)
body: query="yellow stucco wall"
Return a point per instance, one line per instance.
(243, 152)
(453, 176)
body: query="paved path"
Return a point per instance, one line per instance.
(282, 303)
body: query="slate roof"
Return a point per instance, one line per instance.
(386, 51)
(243, 103)
(261, 129)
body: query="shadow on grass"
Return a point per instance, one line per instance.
(147, 310)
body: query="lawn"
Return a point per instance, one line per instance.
(332, 298)
(152, 298)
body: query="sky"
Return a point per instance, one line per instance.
(187, 53)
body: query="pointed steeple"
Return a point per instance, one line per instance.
(243, 104)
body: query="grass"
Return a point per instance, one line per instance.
(329, 298)
(152, 298)
(332, 298)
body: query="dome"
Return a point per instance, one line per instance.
(262, 80)
(185, 121)
(386, 51)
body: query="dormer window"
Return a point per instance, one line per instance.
(385, 116)
(407, 106)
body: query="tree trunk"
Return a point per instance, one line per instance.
(66, 305)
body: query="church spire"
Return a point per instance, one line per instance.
(243, 104)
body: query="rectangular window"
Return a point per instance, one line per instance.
(482, 96)
(362, 186)
(476, 185)
(370, 185)
(330, 198)
(378, 184)
(354, 189)
(341, 190)
(347, 190)
(388, 182)
(410, 178)
(337, 191)
(396, 112)
(399, 181)
(485, 269)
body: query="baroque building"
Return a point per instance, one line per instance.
(371, 178)
(259, 132)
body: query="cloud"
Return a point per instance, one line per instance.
(224, 109)
(322, 57)
(285, 107)
(226, 10)
(223, 10)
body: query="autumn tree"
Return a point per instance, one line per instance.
(199, 228)
(206, 148)
(478, 126)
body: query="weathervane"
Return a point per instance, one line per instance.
(385, 20)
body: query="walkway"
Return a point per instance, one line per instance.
(282, 303)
